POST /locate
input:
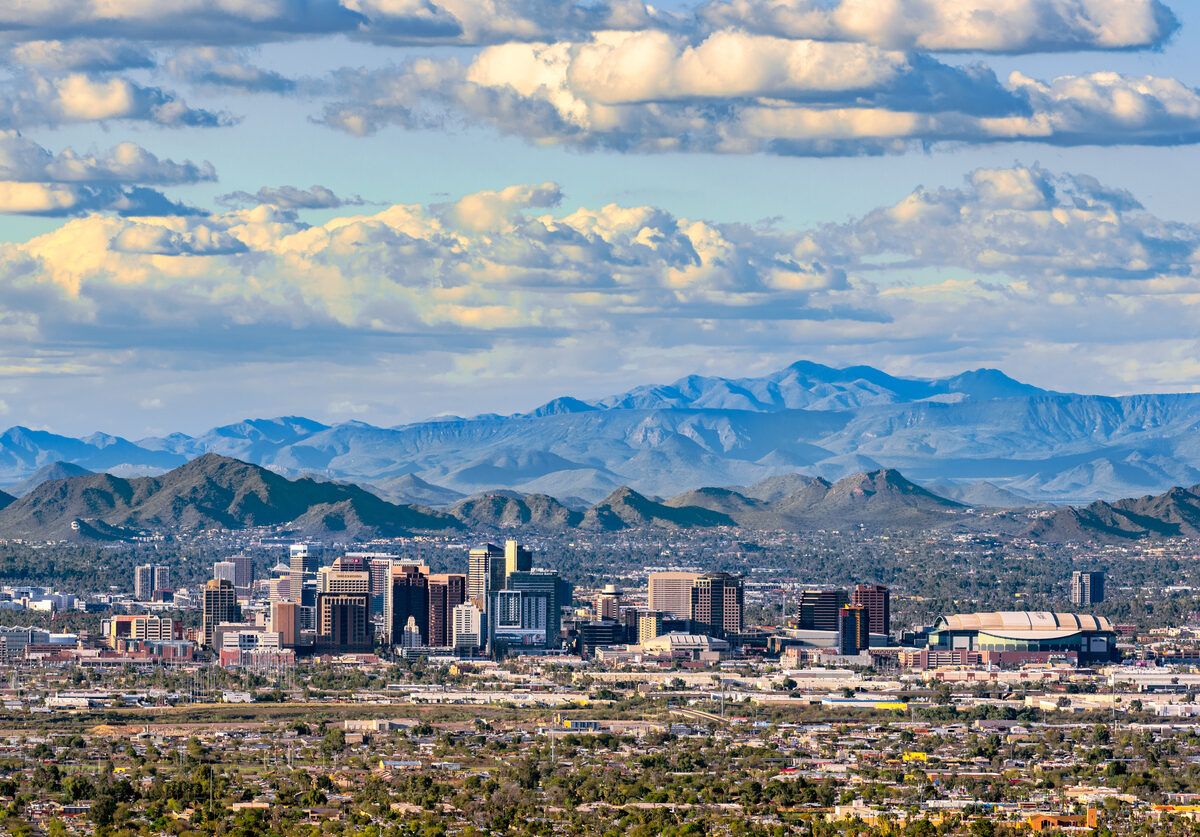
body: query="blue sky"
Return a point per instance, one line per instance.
(388, 209)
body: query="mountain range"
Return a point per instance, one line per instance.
(214, 492)
(979, 437)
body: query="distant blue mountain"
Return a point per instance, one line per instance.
(664, 439)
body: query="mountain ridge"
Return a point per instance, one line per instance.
(664, 439)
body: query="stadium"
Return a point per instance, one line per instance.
(1091, 637)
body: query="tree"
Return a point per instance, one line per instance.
(103, 811)
(334, 741)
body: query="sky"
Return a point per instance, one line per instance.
(386, 210)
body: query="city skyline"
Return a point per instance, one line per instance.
(358, 210)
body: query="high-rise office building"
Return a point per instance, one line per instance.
(599, 633)
(285, 621)
(410, 599)
(345, 576)
(243, 575)
(517, 618)
(608, 603)
(343, 623)
(279, 589)
(548, 582)
(143, 582)
(162, 577)
(877, 599)
(225, 571)
(446, 592)
(467, 631)
(671, 592)
(411, 636)
(718, 604)
(1087, 588)
(819, 609)
(380, 568)
(517, 559)
(853, 630)
(486, 570)
(303, 561)
(649, 625)
(220, 605)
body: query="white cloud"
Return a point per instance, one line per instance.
(745, 94)
(456, 274)
(81, 55)
(1015, 264)
(956, 25)
(23, 159)
(222, 67)
(31, 100)
(291, 197)
(504, 267)
(1024, 222)
(36, 181)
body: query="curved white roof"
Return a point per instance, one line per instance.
(671, 642)
(1024, 624)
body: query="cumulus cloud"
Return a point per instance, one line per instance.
(291, 197)
(180, 21)
(1011, 26)
(1024, 222)
(246, 22)
(82, 55)
(1005, 26)
(467, 273)
(510, 267)
(226, 68)
(1060, 263)
(23, 159)
(70, 199)
(742, 93)
(31, 99)
(35, 181)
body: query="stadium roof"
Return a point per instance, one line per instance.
(1023, 624)
(680, 641)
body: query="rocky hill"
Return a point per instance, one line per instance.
(53, 471)
(210, 492)
(1174, 513)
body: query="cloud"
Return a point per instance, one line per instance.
(31, 99)
(247, 22)
(82, 55)
(1014, 265)
(457, 276)
(35, 181)
(225, 68)
(22, 159)
(60, 200)
(182, 21)
(738, 93)
(195, 240)
(1003, 26)
(291, 197)
(1024, 222)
